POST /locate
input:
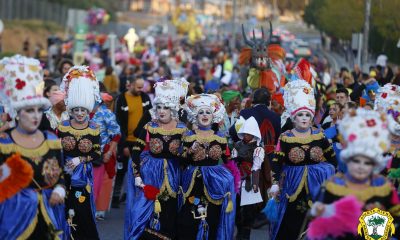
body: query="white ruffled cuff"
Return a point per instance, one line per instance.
(60, 191)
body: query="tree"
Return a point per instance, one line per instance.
(375, 222)
(386, 19)
(311, 12)
(341, 17)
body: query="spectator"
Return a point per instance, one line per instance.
(111, 82)
(132, 112)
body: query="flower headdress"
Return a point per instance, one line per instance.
(388, 101)
(365, 132)
(196, 102)
(21, 84)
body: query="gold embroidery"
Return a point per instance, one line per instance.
(31, 153)
(303, 183)
(395, 211)
(362, 195)
(140, 141)
(189, 190)
(302, 140)
(29, 230)
(79, 132)
(215, 202)
(45, 214)
(328, 149)
(203, 139)
(165, 185)
(155, 130)
(136, 148)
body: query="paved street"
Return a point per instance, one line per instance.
(112, 228)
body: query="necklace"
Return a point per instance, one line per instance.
(301, 131)
(25, 132)
(204, 128)
(353, 180)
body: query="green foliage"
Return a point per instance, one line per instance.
(341, 17)
(376, 221)
(311, 12)
(386, 18)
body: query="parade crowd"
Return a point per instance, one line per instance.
(196, 141)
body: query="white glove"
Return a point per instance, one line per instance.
(72, 164)
(60, 191)
(327, 210)
(274, 189)
(139, 182)
(5, 171)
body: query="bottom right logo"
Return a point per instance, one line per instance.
(376, 225)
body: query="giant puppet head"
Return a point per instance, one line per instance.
(259, 51)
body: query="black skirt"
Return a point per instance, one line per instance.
(188, 226)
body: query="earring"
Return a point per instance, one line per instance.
(17, 118)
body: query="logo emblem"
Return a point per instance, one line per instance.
(376, 225)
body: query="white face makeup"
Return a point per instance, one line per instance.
(204, 117)
(360, 167)
(163, 113)
(302, 120)
(80, 114)
(29, 118)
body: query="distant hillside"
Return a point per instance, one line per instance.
(16, 32)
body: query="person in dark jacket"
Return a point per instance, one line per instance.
(132, 112)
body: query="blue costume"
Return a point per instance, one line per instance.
(28, 214)
(208, 201)
(84, 144)
(158, 166)
(301, 165)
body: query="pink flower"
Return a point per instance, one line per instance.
(352, 137)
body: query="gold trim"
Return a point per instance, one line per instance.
(203, 139)
(29, 230)
(302, 140)
(328, 149)
(215, 202)
(79, 132)
(46, 216)
(280, 153)
(140, 141)
(159, 130)
(303, 183)
(395, 211)
(187, 193)
(165, 185)
(136, 148)
(40, 151)
(362, 194)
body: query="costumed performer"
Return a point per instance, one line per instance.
(303, 160)
(154, 172)
(345, 196)
(388, 101)
(80, 138)
(32, 189)
(208, 210)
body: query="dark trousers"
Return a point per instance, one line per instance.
(79, 200)
(122, 168)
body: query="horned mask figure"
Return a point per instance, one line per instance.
(259, 52)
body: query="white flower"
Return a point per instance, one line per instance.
(125, 108)
(145, 104)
